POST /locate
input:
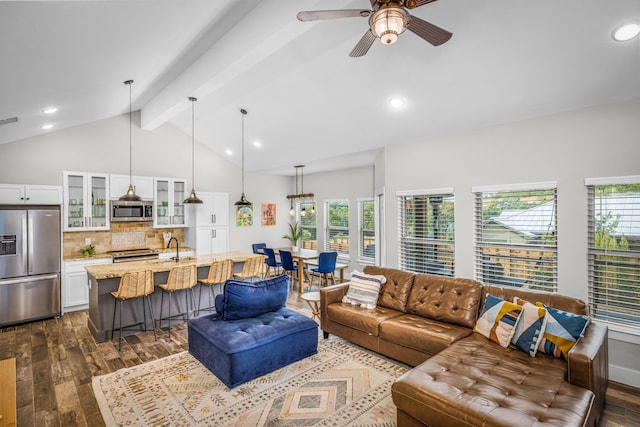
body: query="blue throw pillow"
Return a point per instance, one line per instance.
(243, 300)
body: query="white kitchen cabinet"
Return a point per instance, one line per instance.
(30, 194)
(119, 184)
(213, 212)
(209, 224)
(75, 283)
(86, 204)
(169, 195)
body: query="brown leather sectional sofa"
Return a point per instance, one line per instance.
(460, 378)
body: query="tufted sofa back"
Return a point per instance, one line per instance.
(446, 299)
(395, 291)
(560, 302)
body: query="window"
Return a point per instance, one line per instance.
(337, 227)
(614, 249)
(426, 231)
(308, 225)
(367, 227)
(515, 236)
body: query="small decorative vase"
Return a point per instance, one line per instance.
(294, 248)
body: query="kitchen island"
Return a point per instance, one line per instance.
(105, 278)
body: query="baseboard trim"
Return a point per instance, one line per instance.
(624, 376)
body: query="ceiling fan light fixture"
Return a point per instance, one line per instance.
(388, 23)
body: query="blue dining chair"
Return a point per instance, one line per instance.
(272, 263)
(288, 265)
(325, 268)
(257, 248)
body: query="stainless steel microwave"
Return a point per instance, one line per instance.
(123, 211)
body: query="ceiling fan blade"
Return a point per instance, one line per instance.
(412, 4)
(320, 15)
(363, 45)
(431, 33)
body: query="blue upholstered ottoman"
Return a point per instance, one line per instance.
(252, 333)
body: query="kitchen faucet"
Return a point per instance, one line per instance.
(177, 258)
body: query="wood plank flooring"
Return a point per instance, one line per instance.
(57, 358)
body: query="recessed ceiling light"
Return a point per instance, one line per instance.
(257, 144)
(46, 126)
(626, 32)
(396, 102)
(50, 110)
(228, 152)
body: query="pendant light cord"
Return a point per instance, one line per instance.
(244, 113)
(193, 144)
(130, 133)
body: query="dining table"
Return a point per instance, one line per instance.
(300, 256)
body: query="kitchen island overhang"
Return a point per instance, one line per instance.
(105, 278)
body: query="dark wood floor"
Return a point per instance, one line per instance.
(57, 358)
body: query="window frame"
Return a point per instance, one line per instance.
(617, 262)
(516, 255)
(328, 228)
(299, 206)
(407, 244)
(362, 257)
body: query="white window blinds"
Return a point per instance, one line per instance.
(515, 236)
(426, 233)
(337, 227)
(367, 222)
(614, 252)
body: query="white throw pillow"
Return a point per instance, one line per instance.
(364, 289)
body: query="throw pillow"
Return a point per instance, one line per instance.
(242, 300)
(529, 329)
(561, 331)
(498, 320)
(364, 289)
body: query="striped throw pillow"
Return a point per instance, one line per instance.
(498, 320)
(364, 289)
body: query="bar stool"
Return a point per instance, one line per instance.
(220, 271)
(253, 267)
(181, 278)
(133, 284)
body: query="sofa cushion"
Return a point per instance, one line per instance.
(364, 289)
(530, 326)
(561, 331)
(361, 319)
(450, 300)
(475, 382)
(242, 300)
(422, 334)
(498, 320)
(395, 292)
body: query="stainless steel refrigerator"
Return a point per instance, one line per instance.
(29, 264)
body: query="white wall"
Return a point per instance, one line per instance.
(566, 148)
(103, 146)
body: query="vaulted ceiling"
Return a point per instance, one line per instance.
(308, 101)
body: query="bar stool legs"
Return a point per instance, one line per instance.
(120, 302)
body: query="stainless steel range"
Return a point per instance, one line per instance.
(134, 255)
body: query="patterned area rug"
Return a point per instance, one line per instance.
(340, 386)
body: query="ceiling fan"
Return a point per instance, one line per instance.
(387, 20)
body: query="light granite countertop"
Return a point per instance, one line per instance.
(109, 271)
(104, 255)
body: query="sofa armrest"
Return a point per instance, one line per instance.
(588, 363)
(330, 295)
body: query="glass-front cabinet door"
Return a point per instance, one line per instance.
(169, 197)
(85, 201)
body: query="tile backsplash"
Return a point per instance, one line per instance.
(121, 236)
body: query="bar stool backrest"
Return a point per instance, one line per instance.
(253, 266)
(135, 284)
(182, 277)
(220, 271)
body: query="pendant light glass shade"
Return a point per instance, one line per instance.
(192, 197)
(243, 199)
(130, 196)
